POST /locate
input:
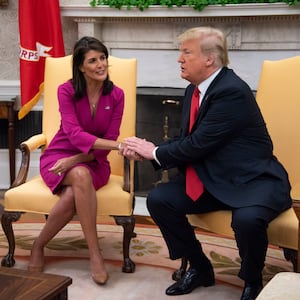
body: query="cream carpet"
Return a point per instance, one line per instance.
(144, 284)
(67, 255)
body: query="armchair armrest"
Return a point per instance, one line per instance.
(26, 147)
(35, 142)
(295, 192)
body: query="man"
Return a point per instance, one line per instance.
(230, 152)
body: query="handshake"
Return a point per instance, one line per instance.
(137, 149)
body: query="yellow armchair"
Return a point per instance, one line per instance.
(116, 198)
(278, 96)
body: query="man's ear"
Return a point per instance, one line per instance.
(210, 60)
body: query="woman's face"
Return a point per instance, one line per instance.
(95, 66)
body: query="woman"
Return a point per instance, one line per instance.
(75, 163)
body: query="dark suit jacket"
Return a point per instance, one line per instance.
(229, 147)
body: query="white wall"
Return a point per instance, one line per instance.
(160, 68)
(4, 166)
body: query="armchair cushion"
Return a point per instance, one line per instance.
(284, 285)
(220, 222)
(36, 197)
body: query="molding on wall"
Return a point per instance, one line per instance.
(253, 26)
(71, 8)
(9, 89)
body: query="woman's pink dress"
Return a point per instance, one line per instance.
(78, 132)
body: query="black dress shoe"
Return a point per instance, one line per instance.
(251, 291)
(191, 280)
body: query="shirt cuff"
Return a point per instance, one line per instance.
(154, 155)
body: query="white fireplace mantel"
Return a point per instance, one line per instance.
(254, 31)
(73, 8)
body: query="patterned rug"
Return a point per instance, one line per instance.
(67, 254)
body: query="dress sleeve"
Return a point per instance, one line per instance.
(113, 130)
(79, 138)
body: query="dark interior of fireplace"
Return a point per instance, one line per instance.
(157, 119)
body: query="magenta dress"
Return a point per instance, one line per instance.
(78, 131)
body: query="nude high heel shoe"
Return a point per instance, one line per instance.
(100, 278)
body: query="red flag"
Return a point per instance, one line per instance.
(40, 36)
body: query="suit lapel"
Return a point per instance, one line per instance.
(204, 102)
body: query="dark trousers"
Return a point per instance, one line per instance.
(168, 205)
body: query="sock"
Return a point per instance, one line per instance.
(199, 261)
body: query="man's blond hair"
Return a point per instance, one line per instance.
(211, 41)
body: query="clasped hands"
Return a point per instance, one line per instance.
(137, 149)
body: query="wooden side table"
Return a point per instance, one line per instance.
(7, 111)
(16, 284)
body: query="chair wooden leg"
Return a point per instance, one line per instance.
(6, 221)
(177, 275)
(292, 256)
(296, 206)
(128, 223)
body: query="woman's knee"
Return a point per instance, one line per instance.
(81, 176)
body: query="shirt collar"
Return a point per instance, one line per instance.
(203, 86)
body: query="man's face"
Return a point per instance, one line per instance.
(192, 61)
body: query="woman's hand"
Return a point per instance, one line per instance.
(62, 165)
(132, 155)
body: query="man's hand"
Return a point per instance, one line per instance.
(138, 146)
(132, 155)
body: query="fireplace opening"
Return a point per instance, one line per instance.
(158, 118)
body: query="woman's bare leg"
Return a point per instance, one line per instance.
(78, 196)
(60, 215)
(86, 208)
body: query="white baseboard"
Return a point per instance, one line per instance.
(140, 208)
(4, 166)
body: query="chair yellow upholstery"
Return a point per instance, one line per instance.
(278, 96)
(114, 199)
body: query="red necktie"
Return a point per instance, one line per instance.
(194, 186)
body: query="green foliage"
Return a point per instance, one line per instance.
(196, 4)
